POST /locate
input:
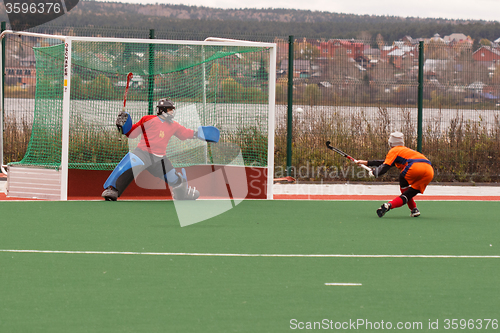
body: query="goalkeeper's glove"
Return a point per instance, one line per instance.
(207, 133)
(124, 122)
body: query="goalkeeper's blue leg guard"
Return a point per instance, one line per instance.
(122, 176)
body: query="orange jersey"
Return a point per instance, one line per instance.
(414, 166)
(400, 155)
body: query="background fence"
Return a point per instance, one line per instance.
(350, 92)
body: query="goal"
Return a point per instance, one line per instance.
(80, 85)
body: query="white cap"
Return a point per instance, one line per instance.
(396, 139)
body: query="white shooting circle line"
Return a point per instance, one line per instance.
(343, 284)
(444, 256)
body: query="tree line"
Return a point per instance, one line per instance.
(200, 22)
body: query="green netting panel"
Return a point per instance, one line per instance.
(44, 148)
(224, 86)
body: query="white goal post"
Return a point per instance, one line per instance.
(68, 101)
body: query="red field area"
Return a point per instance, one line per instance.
(82, 189)
(3, 197)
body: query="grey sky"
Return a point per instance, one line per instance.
(452, 9)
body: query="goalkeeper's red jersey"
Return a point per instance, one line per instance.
(156, 134)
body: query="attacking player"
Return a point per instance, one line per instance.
(150, 154)
(416, 173)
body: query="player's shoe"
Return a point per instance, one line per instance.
(415, 212)
(383, 209)
(110, 194)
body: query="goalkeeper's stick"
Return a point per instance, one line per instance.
(129, 77)
(329, 146)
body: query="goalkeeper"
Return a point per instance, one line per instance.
(150, 154)
(416, 173)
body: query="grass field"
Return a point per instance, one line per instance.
(128, 266)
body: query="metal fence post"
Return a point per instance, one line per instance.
(2, 112)
(420, 94)
(290, 108)
(151, 77)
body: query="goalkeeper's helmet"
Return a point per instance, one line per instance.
(164, 105)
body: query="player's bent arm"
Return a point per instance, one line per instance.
(381, 169)
(374, 163)
(136, 129)
(184, 133)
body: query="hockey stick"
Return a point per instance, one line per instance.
(129, 78)
(329, 146)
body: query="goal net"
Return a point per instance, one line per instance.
(80, 86)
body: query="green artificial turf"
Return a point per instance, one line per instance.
(105, 292)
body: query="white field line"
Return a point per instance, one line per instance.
(342, 284)
(445, 256)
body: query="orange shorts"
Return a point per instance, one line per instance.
(419, 175)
